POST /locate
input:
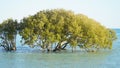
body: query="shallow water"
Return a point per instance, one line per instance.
(25, 57)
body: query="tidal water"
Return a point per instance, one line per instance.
(26, 57)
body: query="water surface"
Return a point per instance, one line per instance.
(25, 57)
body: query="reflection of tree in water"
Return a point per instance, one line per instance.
(8, 34)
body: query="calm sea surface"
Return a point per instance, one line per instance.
(26, 57)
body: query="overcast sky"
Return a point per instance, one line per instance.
(107, 12)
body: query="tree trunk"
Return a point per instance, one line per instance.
(14, 46)
(48, 47)
(63, 48)
(72, 49)
(57, 48)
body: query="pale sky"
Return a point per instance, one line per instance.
(107, 12)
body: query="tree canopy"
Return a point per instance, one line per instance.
(8, 32)
(57, 28)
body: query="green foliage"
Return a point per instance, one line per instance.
(62, 27)
(8, 32)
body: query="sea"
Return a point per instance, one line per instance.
(26, 57)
